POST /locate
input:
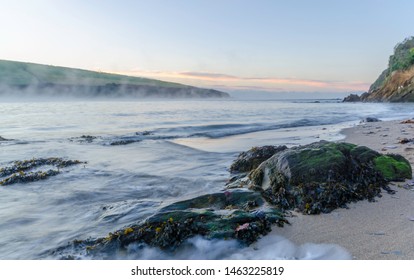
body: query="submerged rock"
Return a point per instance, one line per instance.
(242, 215)
(20, 171)
(84, 139)
(26, 177)
(144, 133)
(4, 139)
(323, 176)
(124, 142)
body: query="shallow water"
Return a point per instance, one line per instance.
(181, 149)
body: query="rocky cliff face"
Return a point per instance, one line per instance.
(398, 86)
(396, 83)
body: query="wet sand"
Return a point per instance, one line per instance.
(368, 230)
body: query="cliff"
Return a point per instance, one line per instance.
(20, 79)
(396, 83)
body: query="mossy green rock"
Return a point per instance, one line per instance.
(393, 167)
(323, 176)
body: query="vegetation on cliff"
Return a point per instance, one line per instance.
(396, 83)
(26, 79)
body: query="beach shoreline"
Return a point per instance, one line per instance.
(367, 230)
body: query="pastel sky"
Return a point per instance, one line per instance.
(262, 45)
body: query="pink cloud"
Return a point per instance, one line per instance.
(264, 83)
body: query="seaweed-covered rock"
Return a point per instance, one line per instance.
(243, 215)
(144, 133)
(323, 176)
(84, 139)
(393, 167)
(26, 177)
(247, 161)
(21, 170)
(124, 142)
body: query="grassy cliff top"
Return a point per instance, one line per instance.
(13, 73)
(402, 59)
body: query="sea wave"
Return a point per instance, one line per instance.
(267, 248)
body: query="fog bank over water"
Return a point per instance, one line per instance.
(286, 95)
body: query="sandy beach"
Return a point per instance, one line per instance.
(368, 230)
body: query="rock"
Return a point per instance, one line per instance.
(144, 133)
(19, 171)
(407, 121)
(352, 98)
(84, 139)
(26, 177)
(393, 167)
(323, 176)
(242, 215)
(247, 161)
(370, 119)
(405, 141)
(124, 142)
(4, 139)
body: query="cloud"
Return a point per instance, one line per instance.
(213, 76)
(262, 83)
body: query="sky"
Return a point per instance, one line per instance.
(247, 46)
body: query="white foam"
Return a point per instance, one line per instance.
(268, 248)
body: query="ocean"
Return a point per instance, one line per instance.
(143, 155)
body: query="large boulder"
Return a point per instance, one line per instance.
(323, 176)
(241, 214)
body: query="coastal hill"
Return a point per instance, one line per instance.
(396, 83)
(21, 79)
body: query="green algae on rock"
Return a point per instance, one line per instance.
(243, 215)
(393, 167)
(323, 176)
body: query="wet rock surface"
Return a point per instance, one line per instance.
(84, 139)
(23, 171)
(243, 215)
(247, 161)
(124, 142)
(370, 119)
(352, 98)
(323, 176)
(110, 140)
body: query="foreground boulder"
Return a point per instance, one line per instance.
(323, 176)
(243, 215)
